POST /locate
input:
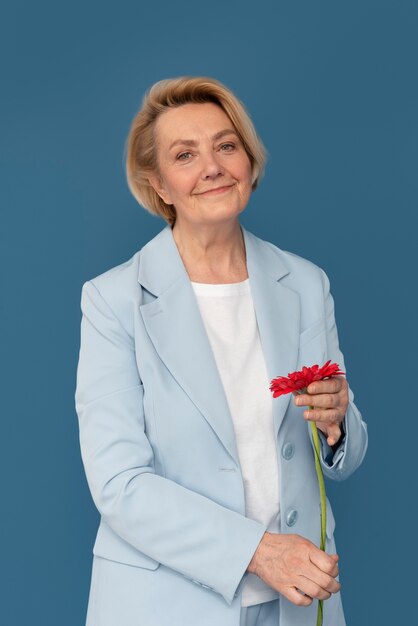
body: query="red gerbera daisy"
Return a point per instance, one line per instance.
(303, 378)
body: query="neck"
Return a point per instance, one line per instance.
(212, 253)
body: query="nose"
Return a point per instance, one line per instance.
(211, 166)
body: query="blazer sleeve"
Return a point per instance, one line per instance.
(182, 529)
(338, 463)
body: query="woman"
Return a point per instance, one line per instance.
(206, 486)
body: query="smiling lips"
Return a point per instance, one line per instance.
(210, 192)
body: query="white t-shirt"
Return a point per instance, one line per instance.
(228, 314)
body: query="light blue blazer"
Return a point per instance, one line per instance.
(158, 443)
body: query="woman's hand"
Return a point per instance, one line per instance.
(289, 563)
(330, 401)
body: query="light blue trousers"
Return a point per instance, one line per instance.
(264, 614)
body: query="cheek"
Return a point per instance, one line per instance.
(246, 171)
(248, 178)
(180, 184)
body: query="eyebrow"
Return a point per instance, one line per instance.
(192, 142)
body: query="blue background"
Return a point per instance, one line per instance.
(332, 89)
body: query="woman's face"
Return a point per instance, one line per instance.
(205, 171)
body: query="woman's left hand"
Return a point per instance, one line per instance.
(330, 401)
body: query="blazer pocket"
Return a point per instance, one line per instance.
(312, 331)
(111, 546)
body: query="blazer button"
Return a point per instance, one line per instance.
(288, 450)
(291, 517)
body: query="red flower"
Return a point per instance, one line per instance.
(302, 379)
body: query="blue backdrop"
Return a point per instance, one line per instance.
(332, 89)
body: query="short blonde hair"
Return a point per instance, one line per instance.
(140, 149)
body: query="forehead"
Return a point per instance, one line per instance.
(189, 121)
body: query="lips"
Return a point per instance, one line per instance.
(216, 190)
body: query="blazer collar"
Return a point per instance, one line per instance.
(174, 324)
(161, 264)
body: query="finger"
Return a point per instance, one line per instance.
(329, 417)
(323, 400)
(296, 596)
(331, 431)
(336, 569)
(333, 435)
(324, 581)
(312, 589)
(331, 385)
(323, 561)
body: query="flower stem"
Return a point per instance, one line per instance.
(322, 495)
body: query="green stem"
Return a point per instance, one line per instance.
(322, 495)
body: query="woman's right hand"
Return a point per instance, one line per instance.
(289, 563)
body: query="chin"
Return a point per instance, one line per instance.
(220, 217)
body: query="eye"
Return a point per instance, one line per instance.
(229, 146)
(179, 156)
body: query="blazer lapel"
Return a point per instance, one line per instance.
(277, 309)
(175, 326)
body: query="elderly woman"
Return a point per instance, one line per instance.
(205, 484)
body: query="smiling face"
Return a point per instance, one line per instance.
(204, 170)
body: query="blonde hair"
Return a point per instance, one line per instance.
(140, 149)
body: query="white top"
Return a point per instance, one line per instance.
(228, 314)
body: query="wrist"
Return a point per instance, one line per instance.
(253, 564)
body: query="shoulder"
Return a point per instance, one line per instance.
(297, 264)
(300, 271)
(302, 276)
(114, 293)
(121, 282)
(119, 279)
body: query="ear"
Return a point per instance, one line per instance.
(158, 186)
